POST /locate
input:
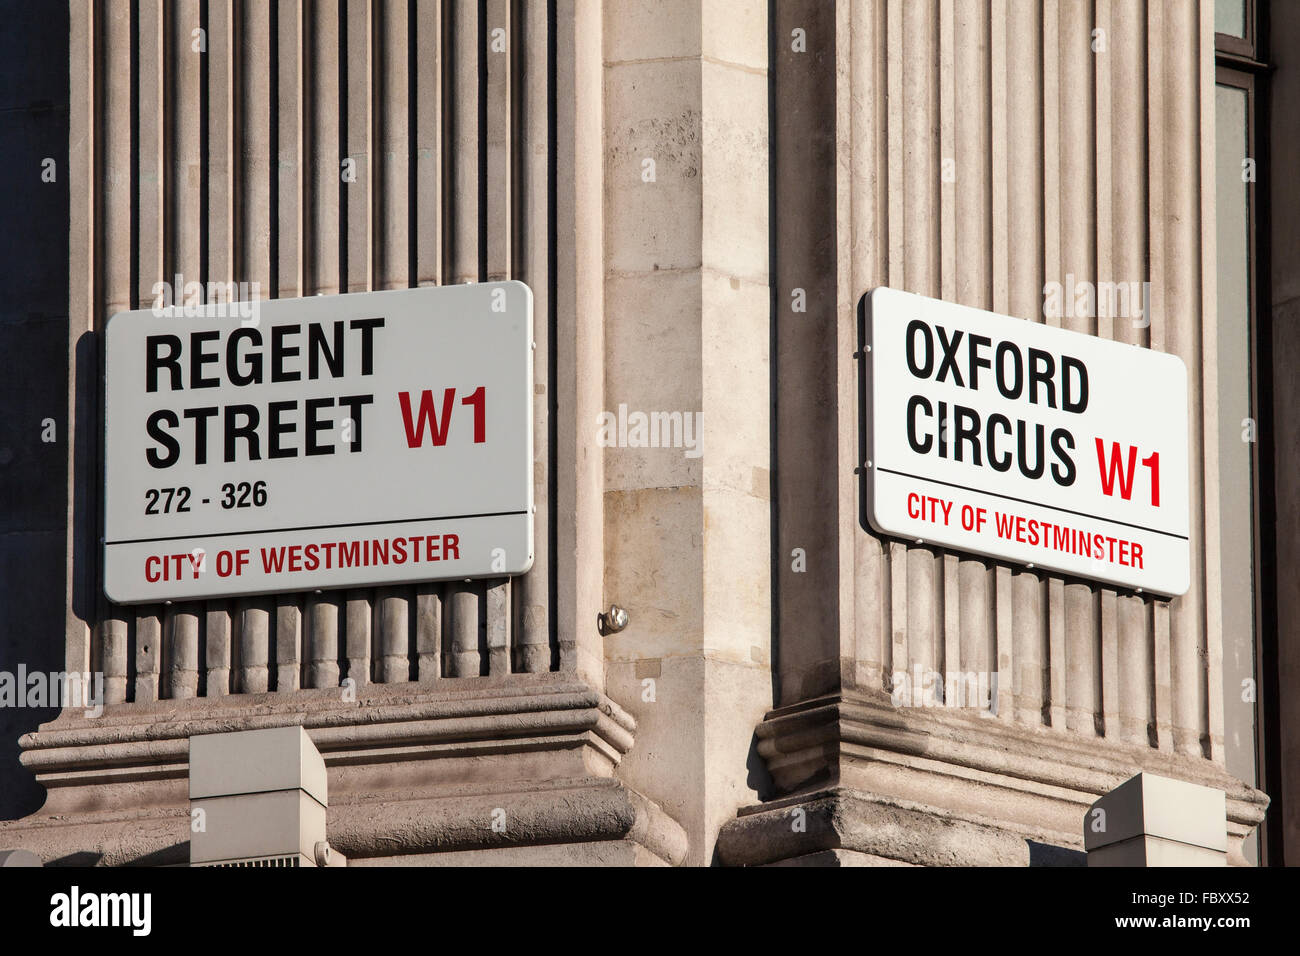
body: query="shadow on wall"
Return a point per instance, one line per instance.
(33, 371)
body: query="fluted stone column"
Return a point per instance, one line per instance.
(975, 151)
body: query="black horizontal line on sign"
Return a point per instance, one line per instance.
(1034, 504)
(315, 527)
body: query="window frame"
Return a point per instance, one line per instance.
(1240, 64)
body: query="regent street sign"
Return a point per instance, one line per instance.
(327, 442)
(1025, 443)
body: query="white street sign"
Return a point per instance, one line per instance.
(1026, 443)
(327, 442)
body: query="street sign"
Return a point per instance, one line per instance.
(328, 442)
(1025, 443)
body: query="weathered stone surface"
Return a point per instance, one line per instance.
(996, 787)
(470, 764)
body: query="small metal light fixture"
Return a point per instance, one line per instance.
(613, 620)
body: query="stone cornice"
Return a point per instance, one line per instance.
(414, 768)
(1036, 782)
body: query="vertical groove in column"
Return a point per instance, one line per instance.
(497, 137)
(183, 657)
(393, 259)
(221, 228)
(463, 144)
(257, 222)
(1109, 621)
(323, 624)
(530, 594)
(1103, 126)
(428, 631)
(148, 650)
(357, 637)
(321, 215)
(1050, 101)
(253, 675)
(326, 139)
(462, 658)
(919, 182)
(1080, 673)
(1002, 626)
(429, 18)
(972, 266)
(426, 24)
(359, 193)
(117, 184)
(1076, 158)
(291, 245)
(358, 262)
(1155, 171)
(895, 259)
(217, 650)
(464, 217)
(110, 655)
(288, 644)
(953, 615)
(1127, 199)
(86, 163)
(1000, 121)
(1052, 213)
(867, 169)
(1182, 299)
(1162, 681)
(1128, 172)
(1136, 711)
(184, 122)
(1211, 554)
(183, 66)
(1054, 599)
(151, 177)
(1006, 700)
(1155, 175)
(392, 610)
(497, 213)
(1027, 679)
(1025, 257)
(1103, 191)
(290, 172)
(580, 336)
(392, 182)
(946, 94)
(895, 217)
(497, 619)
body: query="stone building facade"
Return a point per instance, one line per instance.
(698, 194)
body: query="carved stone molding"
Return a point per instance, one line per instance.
(414, 769)
(939, 787)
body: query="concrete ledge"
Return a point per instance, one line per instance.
(824, 828)
(1032, 783)
(413, 768)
